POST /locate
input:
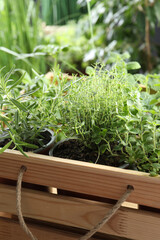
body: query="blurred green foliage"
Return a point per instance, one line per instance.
(124, 25)
(20, 32)
(109, 27)
(117, 26)
(58, 12)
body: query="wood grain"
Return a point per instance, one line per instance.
(80, 213)
(10, 230)
(87, 178)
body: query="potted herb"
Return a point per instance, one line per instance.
(107, 114)
(24, 119)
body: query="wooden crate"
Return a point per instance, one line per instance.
(89, 191)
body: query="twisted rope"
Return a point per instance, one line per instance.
(89, 234)
(18, 203)
(109, 214)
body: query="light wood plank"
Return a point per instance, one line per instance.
(84, 214)
(87, 178)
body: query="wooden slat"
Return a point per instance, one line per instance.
(10, 230)
(87, 178)
(80, 213)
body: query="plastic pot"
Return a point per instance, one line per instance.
(56, 145)
(45, 149)
(47, 134)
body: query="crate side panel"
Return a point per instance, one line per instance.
(81, 213)
(91, 179)
(11, 230)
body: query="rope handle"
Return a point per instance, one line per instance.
(18, 203)
(109, 214)
(90, 233)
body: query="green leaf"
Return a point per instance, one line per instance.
(158, 153)
(133, 66)
(7, 75)
(97, 140)
(103, 148)
(4, 49)
(2, 69)
(96, 130)
(153, 174)
(21, 150)
(5, 147)
(27, 79)
(28, 145)
(130, 102)
(129, 150)
(123, 143)
(5, 120)
(152, 111)
(125, 55)
(90, 71)
(17, 82)
(153, 101)
(32, 105)
(103, 132)
(19, 105)
(16, 116)
(156, 165)
(27, 93)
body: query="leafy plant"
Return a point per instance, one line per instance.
(108, 113)
(24, 115)
(91, 107)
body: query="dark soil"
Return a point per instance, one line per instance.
(75, 150)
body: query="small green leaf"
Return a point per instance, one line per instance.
(19, 105)
(156, 165)
(17, 82)
(123, 143)
(27, 93)
(21, 150)
(5, 147)
(16, 116)
(153, 174)
(153, 101)
(98, 140)
(152, 111)
(133, 66)
(5, 120)
(103, 133)
(7, 75)
(125, 55)
(28, 145)
(158, 153)
(90, 71)
(103, 148)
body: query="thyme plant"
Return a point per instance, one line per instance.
(109, 113)
(90, 109)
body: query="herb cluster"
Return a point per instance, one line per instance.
(109, 112)
(25, 111)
